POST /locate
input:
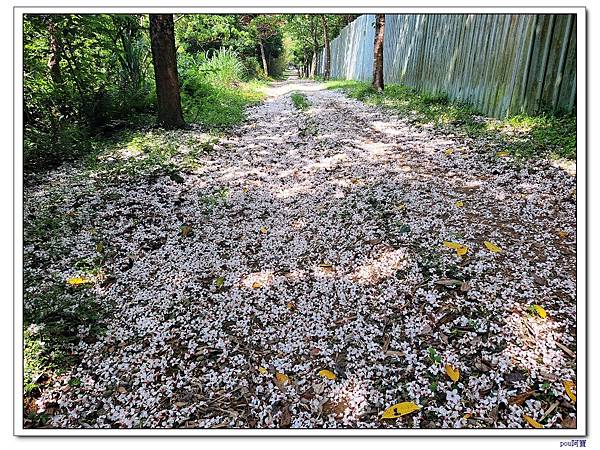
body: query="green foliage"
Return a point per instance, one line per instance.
(304, 34)
(539, 133)
(101, 77)
(522, 136)
(54, 322)
(201, 33)
(300, 101)
(433, 356)
(223, 68)
(212, 92)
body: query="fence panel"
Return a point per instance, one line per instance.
(502, 64)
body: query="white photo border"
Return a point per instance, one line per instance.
(582, 307)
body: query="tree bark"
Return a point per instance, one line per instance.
(313, 64)
(326, 49)
(55, 54)
(378, 52)
(264, 58)
(164, 60)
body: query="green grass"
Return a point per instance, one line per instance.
(51, 323)
(300, 101)
(218, 107)
(522, 136)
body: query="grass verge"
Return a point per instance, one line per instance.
(522, 136)
(218, 107)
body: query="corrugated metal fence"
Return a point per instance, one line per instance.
(502, 64)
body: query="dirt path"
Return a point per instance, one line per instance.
(312, 240)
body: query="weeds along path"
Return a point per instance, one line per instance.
(313, 239)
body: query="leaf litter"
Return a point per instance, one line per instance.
(190, 350)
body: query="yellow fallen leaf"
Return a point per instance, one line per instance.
(264, 230)
(459, 203)
(256, 285)
(460, 248)
(400, 205)
(185, 230)
(245, 189)
(327, 374)
(326, 265)
(541, 311)
(501, 154)
(282, 377)
(449, 151)
(532, 422)
(492, 247)
(569, 385)
(400, 409)
(562, 234)
(291, 305)
(78, 280)
(219, 282)
(262, 370)
(467, 416)
(453, 373)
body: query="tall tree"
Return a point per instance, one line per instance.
(164, 59)
(326, 48)
(55, 52)
(265, 26)
(314, 33)
(378, 52)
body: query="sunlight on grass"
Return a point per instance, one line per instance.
(524, 136)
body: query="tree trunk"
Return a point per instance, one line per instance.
(304, 64)
(55, 54)
(313, 64)
(164, 60)
(326, 49)
(264, 58)
(378, 52)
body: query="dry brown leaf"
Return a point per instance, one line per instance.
(519, 399)
(286, 416)
(394, 353)
(569, 422)
(566, 349)
(449, 282)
